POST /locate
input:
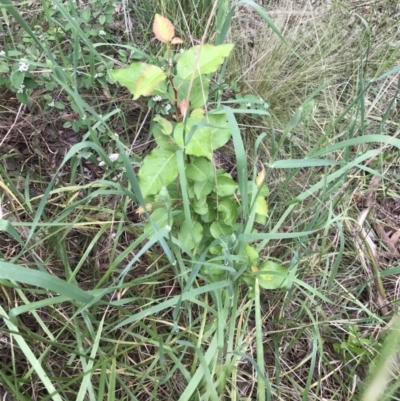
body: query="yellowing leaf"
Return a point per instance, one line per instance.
(261, 206)
(202, 59)
(197, 113)
(151, 77)
(260, 178)
(141, 79)
(166, 126)
(176, 41)
(140, 209)
(163, 29)
(272, 275)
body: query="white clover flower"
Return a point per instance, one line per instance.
(112, 156)
(23, 66)
(51, 104)
(21, 89)
(101, 33)
(2, 53)
(167, 108)
(157, 98)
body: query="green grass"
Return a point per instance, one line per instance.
(92, 309)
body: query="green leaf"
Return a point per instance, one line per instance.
(17, 78)
(209, 216)
(4, 68)
(261, 206)
(200, 169)
(59, 105)
(203, 188)
(102, 19)
(225, 186)
(162, 140)
(264, 191)
(23, 98)
(219, 229)
(141, 79)
(201, 209)
(160, 219)
(220, 130)
(199, 202)
(190, 190)
(9, 271)
(30, 83)
(151, 78)
(269, 280)
(200, 60)
(166, 126)
(85, 15)
(252, 255)
(199, 91)
(260, 219)
(200, 141)
(191, 236)
(229, 211)
(159, 168)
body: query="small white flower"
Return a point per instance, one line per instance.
(51, 104)
(167, 108)
(248, 105)
(2, 53)
(113, 157)
(23, 66)
(181, 51)
(84, 117)
(101, 33)
(116, 135)
(266, 106)
(21, 89)
(157, 98)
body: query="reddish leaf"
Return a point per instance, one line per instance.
(184, 106)
(176, 41)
